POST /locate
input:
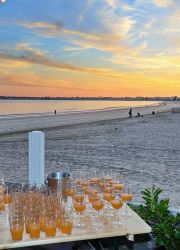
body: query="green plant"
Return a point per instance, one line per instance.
(168, 232)
(165, 226)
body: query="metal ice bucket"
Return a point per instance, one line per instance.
(57, 181)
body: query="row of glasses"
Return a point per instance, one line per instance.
(102, 190)
(35, 209)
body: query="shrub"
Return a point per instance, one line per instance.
(165, 226)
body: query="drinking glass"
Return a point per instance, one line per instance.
(67, 224)
(34, 228)
(126, 197)
(50, 227)
(7, 196)
(79, 206)
(70, 188)
(108, 197)
(78, 194)
(16, 227)
(117, 203)
(98, 205)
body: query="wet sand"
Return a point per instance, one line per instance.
(146, 150)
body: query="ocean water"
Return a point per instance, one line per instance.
(14, 107)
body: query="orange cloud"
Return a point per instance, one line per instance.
(34, 59)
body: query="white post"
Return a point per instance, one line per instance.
(36, 157)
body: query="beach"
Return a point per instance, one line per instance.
(145, 150)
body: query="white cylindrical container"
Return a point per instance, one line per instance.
(36, 157)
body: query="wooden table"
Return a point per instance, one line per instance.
(130, 226)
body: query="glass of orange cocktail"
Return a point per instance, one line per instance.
(117, 203)
(70, 188)
(34, 228)
(79, 194)
(79, 206)
(98, 206)
(7, 196)
(126, 196)
(16, 227)
(50, 226)
(108, 196)
(67, 224)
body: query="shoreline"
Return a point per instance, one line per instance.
(27, 122)
(78, 111)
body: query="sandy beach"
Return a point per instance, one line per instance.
(28, 122)
(146, 150)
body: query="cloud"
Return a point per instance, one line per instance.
(111, 3)
(151, 23)
(161, 64)
(73, 48)
(163, 3)
(40, 60)
(34, 81)
(126, 7)
(25, 47)
(115, 31)
(55, 87)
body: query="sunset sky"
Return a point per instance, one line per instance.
(90, 48)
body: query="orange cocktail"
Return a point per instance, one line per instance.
(80, 182)
(109, 196)
(108, 189)
(66, 227)
(116, 203)
(50, 229)
(34, 230)
(79, 206)
(101, 185)
(70, 192)
(93, 197)
(118, 186)
(17, 232)
(7, 198)
(126, 197)
(95, 180)
(98, 205)
(78, 197)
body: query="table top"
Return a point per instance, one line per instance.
(131, 225)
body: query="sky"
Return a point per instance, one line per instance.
(90, 48)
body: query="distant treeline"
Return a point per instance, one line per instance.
(139, 98)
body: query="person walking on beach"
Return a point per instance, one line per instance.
(130, 113)
(55, 111)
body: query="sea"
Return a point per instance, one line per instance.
(18, 107)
